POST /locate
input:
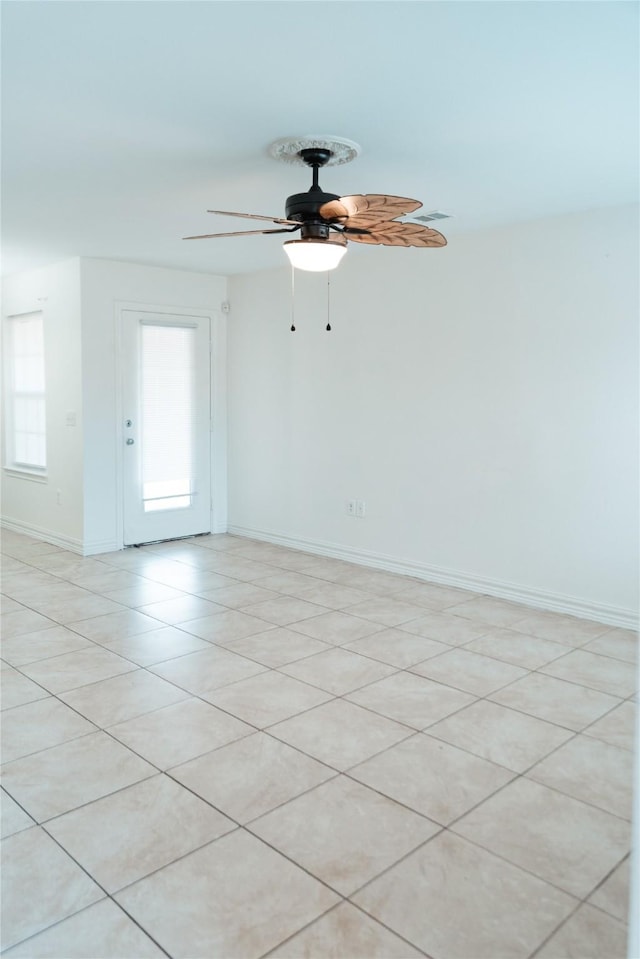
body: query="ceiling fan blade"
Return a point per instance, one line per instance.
(394, 233)
(211, 236)
(367, 208)
(253, 216)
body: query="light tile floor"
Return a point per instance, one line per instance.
(219, 748)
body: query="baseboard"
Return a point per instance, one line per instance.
(101, 546)
(537, 599)
(46, 535)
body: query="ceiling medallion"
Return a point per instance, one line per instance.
(288, 149)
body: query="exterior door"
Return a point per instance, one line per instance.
(167, 425)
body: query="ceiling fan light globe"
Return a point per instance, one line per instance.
(314, 255)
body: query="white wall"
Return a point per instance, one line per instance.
(105, 284)
(481, 399)
(29, 504)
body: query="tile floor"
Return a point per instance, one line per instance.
(223, 749)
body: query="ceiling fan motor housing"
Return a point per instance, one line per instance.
(306, 206)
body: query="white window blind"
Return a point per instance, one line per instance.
(26, 398)
(167, 377)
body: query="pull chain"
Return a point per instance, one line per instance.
(293, 327)
(328, 327)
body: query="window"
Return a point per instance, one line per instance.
(25, 394)
(168, 362)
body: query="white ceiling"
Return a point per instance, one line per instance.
(124, 121)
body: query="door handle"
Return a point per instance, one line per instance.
(130, 442)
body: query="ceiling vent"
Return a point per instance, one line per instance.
(433, 215)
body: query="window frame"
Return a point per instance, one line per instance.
(13, 466)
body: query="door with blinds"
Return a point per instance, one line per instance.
(166, 433)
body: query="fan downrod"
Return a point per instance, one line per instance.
(305, 207)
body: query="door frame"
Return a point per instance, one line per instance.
(217, 406)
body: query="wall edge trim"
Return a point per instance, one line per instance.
(514, 592)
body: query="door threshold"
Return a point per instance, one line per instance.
(172, 539)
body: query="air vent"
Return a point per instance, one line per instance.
(433, 215)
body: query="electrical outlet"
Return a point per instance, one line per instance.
(360, 508)
(351, 507)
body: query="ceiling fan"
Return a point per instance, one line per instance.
(327, 221)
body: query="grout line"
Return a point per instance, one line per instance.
(93, 879)
(555, 931)
(353, 905)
